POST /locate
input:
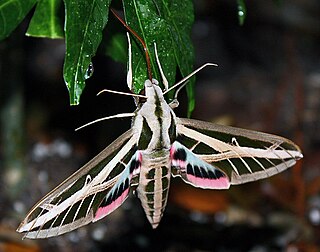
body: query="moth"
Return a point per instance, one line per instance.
(158, 146)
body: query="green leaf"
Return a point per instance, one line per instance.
(168, 23)
(242, 11)
(12, 12)
(182, 16)
(45, 21)
(85, 21)
(117, 48)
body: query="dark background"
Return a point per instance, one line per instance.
(268, 79)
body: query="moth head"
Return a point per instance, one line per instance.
(151, 88)
(149, 83)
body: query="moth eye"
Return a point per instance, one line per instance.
(142, 100)
(142, 92)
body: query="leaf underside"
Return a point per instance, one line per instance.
(85, 21)
(164, 23)
(46, 21)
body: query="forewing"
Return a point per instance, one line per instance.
(75, 202)
(244, 155)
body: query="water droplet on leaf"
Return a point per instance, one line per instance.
(89, 71)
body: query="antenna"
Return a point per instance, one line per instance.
(107, 118)
(188, 77)
(121, 93)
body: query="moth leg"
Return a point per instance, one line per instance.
(164, 79)
(129, 74)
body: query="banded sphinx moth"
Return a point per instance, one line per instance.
(158, 146)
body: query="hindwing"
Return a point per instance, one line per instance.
(194, 170)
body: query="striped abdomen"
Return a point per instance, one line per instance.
(154, 184)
